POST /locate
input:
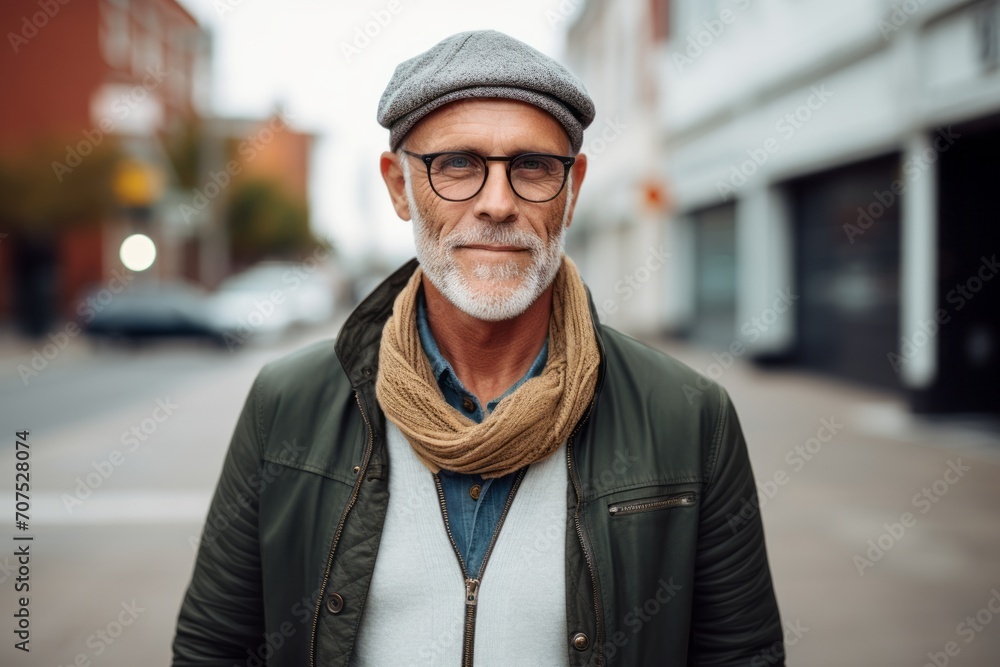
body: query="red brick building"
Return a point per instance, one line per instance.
(91, 88)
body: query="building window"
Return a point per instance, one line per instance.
(114, 33)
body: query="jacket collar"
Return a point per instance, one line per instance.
(358, 343)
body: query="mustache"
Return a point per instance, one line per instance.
(494, 235)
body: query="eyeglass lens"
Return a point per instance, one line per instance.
(457, 176)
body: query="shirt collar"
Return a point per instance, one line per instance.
(439, 364)
(442, 369)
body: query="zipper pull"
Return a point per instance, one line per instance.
(471, 592)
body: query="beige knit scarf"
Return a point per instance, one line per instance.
(526, 426)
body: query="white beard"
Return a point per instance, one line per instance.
(500, 302)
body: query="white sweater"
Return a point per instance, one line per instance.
(415, 612)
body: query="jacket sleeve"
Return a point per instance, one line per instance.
(222, 613)
(735, 619)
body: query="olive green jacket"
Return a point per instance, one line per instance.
(657, 570)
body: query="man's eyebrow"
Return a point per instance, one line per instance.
(463, 147)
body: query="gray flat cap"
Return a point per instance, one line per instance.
(483, 63)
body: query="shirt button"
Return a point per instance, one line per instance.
(468, 405)
(474, 491)
(581, 641)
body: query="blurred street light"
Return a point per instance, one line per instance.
(137, 252)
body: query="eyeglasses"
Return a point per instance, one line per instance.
(460, 175)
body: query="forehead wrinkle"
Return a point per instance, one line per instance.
(490, 127)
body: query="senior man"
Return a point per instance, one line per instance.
(479, 472)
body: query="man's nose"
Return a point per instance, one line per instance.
(496, 201)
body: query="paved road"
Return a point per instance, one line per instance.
(124, 552)
(85, 377)
(115, 535)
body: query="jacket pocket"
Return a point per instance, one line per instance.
(652, 504)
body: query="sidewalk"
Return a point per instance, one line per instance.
(883, 528)
(61, 343)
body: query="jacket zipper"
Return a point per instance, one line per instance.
(584, 544)
(633, 507)
(340, 528)
(472, 584)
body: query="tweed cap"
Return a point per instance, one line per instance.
(483, 63)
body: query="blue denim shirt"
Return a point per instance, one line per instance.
(472, 521)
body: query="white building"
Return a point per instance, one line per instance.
(836, 158)
(617, 233)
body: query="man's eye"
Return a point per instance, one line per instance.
(536, 167)
(456, 162)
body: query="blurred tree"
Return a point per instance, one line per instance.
(52, 184)
(184, 146)
(264, 222)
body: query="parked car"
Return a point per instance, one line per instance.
(270, 298)
(149, 310)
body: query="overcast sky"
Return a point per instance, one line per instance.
(304, 55)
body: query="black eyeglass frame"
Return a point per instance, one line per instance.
(428, 158)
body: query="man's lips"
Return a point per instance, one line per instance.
(494, 248)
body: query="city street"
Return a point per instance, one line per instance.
(881, 528)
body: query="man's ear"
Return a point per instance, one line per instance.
(579, 170)
(392, 174)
